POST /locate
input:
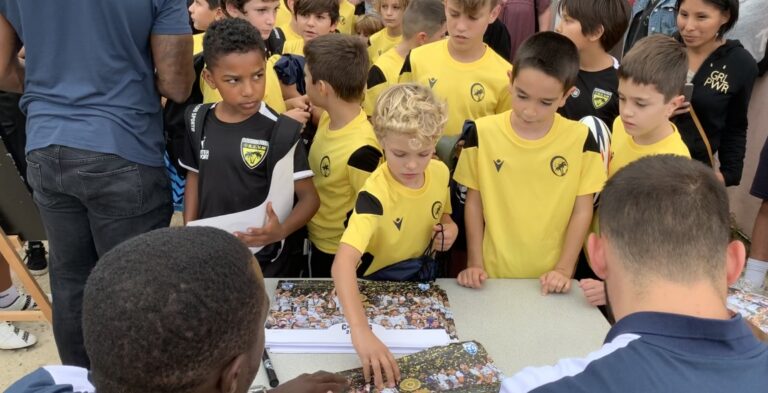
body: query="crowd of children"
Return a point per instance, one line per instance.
(379, 117)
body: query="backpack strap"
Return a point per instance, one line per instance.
(194, 120)
(285, 134)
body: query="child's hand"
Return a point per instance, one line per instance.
(299, 115)
(554, 281)
(375, 356)
(594, 291)
(472, 277)
(271, 232)
(446, 235)
(300, 102)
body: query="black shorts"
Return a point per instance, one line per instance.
(760, 183)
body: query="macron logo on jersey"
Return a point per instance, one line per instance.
(398, 222)
(432, 82)
(498, 163)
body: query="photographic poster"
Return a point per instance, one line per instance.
(458, 367)
(306, 316)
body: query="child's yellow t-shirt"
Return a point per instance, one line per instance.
(342, 160)
(288, 32)
(471, 90)
(380, 42)
(294, 47)
(392, 222)
(528, 190)
(624, 150)
(283, 16)
(347, 20)
(383, 73)
(197, 43)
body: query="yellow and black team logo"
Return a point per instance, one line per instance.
(253, 151)
(559, 166)
(325, 166)
(477, 91)
(437, 207)
(410, 384)
(600, 97)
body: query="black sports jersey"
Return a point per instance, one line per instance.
(231, 160)
(596, 94)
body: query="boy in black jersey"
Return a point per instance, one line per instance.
(228, 159)
(594, 27)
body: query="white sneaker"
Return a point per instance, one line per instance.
(23, 302)
(12, 337)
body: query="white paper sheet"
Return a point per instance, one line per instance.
(280, 194)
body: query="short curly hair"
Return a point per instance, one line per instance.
(231, 35)
(162, 310)
(410, 109)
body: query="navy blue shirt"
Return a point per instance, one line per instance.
(89, 73)
(658, 352)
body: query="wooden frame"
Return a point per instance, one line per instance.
(8, 247)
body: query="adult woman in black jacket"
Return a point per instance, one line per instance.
(722, 73)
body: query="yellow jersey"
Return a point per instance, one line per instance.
(471, 90)
(197, 43)
(288, 32)
(342, 160)
(294, 47)
(283, 16)
(624, 150)
(392, 222)
(346, 23)
(381, 42)
(384, 73)
(528, 190)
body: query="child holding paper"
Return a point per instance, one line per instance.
(397, 211)
(227, 157)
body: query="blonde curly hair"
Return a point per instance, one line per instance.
(412, 110)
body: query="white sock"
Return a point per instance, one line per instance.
(8, 296)
(755, 271)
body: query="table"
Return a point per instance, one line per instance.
(516, 324)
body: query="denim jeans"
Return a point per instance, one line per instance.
(89, 203)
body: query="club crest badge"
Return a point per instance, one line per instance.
(600, 97)
(253, 151)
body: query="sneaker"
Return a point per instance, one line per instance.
(36, 261)
(23, 302)
(12, 337)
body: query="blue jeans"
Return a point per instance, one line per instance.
(89, 203)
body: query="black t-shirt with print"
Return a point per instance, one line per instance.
(231, 160)
(596, 94)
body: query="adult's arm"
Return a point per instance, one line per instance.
(11, 68)
(172, 55)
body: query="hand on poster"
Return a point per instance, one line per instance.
(376, 359)
(460, 368)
